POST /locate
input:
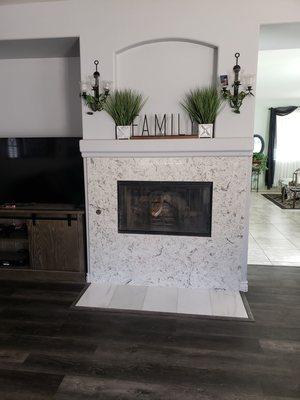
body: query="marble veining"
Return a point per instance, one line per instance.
(172, 261)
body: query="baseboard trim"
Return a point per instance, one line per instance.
(41, 275)
(244, 286)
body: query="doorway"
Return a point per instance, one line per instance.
(274, 224)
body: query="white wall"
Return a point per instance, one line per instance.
(280, 36)
(39, 97)
(105, 27)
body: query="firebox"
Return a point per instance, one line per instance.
(165, 208)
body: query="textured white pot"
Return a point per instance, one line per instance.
(205, 130)
(123, 132)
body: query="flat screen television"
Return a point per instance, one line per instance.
(41, 171)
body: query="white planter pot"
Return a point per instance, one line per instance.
(123, 132)
(205, 131)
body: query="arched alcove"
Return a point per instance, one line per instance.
(164, 69)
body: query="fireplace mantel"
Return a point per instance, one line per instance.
(227, 147)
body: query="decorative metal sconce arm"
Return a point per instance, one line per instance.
(236, 98)
(96, 101)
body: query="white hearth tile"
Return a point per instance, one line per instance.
(264, 234)
(257, 256)
(259, 262)
(274, 243)
(194, 301)
(283, 255)
(161, 299)
(294, 238)
(263, 227)
(253, 243)
(281, 219)
(128, 297)
(97, 295)
(256, 251)
(256, 221)
(226, 303)
(286, 264)
(165, 299)
(290, 225)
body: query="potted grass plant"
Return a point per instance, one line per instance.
(203, 105)
(124, 106)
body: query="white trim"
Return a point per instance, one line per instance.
(244, 286)
(87, 233)
(166, 39)
(244, 272)
(230, 147)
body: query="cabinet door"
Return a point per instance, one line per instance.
(55, 245)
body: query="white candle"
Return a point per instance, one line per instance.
(249, 80)
(106, 85)
(84, 87)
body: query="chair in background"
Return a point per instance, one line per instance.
(291, 190)
(296, 177)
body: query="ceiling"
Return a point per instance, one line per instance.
(278, 75)
(23, 1)
(280, 36)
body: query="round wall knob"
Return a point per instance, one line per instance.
(98, 212)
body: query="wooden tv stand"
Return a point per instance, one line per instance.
(53, 237)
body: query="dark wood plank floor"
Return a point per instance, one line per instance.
(50, 351)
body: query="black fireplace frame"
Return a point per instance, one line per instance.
(171, 183)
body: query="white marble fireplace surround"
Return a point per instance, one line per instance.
(219, 261)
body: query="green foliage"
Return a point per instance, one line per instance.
(235, 101)
(203, 104)
(259, 161)
(94, 104)
(124, 106)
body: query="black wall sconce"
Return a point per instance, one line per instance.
(96, 101)
(236, 98)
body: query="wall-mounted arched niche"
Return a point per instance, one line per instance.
(164, 70)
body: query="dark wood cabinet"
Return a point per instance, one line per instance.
(54, 240)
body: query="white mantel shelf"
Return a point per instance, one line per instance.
(167, 147)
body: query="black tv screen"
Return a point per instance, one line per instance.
(41, 170)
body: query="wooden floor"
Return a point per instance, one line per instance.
(49, 350)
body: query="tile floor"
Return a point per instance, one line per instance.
(274, 234)
(164, 299)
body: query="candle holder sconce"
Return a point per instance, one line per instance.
(236, 97)
(96, 100)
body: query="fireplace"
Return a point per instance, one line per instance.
(165, 208)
